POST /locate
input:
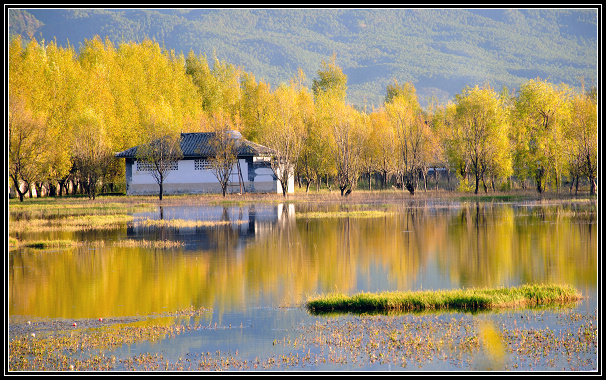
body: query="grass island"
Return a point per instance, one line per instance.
(459, 299)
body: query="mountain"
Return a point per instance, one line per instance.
(439, 50)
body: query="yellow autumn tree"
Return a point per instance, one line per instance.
(481, 133)
(540, 112)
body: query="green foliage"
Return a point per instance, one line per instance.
(218, 87)
(541, 112)
(581, 136)
(464, 185)
(405, 92)
(23, 23)
(330, 80)
(481, 137)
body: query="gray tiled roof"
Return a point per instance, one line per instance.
(197, 144)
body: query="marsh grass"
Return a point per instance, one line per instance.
(49, 210)
(181, 223)
(127, 243)
(468, 299)
(70, 223)
(72, 214)
(46, 244)
(343, 214)
(159, 244)
(387, 196)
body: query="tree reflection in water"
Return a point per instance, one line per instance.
(268, 255)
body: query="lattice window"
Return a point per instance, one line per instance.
(148, 167)
(202, 164)
(144, 166)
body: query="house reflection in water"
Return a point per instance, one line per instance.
(220, 227)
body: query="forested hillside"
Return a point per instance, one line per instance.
(440, 51)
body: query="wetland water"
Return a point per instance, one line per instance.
(251, 271)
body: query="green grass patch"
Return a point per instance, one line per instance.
(467, 299)
(12, 242)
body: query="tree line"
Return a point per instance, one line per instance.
(70, 112)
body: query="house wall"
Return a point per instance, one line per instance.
(257, 178)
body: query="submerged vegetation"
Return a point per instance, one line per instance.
(402, 342)
(468, 299)
(59, 345)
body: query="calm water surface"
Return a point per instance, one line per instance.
(256, 271)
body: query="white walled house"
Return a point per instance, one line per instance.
(192, 174)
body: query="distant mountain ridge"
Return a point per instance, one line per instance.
(439, 50)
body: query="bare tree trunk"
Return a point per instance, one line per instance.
(284, 185)
(52, 189)
(594, 186)
(435, 172)
(38, 187)
(161, 183)
(448, 178)
(408, 183)
(18, 189)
